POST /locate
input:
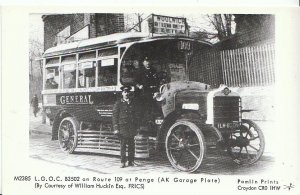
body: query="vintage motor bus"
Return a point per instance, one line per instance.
(82, 82)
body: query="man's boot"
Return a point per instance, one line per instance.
(130, 164)
(123, 165)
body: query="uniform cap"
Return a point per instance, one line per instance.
(125, 88)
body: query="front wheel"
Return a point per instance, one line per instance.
(246, 144)
(67, 134)
(185, 146)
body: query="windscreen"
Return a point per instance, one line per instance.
(167, 57)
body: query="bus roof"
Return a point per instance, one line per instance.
(111, 40)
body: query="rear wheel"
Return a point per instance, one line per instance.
(185, 146)
(246, 144)
(67, 134)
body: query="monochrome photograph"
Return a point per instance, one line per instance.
(150, 101)
(189, 93)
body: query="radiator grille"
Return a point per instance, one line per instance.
(226, 109)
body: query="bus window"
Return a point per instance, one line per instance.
(107, 72)
(129, 71)
(87, 73)
(108, 52)
(164, 56)
(52, 76)
(69, 76)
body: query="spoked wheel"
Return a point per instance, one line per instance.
(67, 134)
(185, 146)
(246, 144)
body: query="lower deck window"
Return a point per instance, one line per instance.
(87, 75)
(52, 78)
(107, 72)
(69, 76)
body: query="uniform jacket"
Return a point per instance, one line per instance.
(125, 118)
(147, 77)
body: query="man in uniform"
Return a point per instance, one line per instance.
(125, 122)
(147, 79)
(147, 84)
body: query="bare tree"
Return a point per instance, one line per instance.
(222, 24)
(35, 52)
(222, 27)
(35, 66)
(133, 22)
(214, 27)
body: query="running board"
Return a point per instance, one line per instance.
(107, 142)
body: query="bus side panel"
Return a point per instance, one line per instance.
(85, 106)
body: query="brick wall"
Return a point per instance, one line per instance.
(93, 23)
(53, 24)
(109, 23)
(99, 25)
